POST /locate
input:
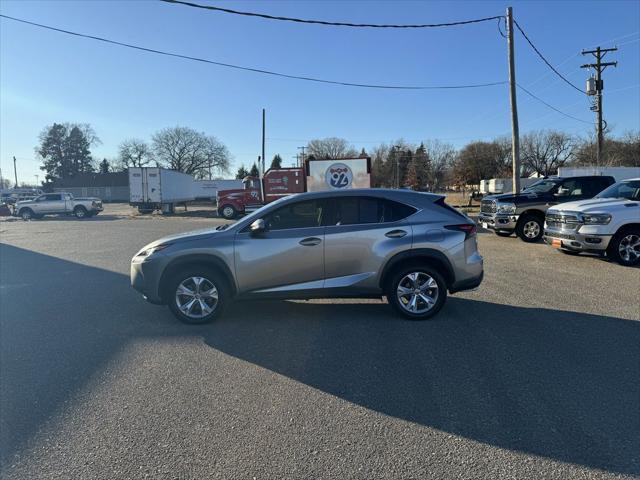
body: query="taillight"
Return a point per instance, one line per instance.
(468, 229)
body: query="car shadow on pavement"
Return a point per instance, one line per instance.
(562, 385)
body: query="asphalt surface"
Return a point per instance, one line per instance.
(535, 375)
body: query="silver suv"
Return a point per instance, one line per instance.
(410, 247)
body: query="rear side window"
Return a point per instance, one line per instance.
(365, 210)
(53, 196)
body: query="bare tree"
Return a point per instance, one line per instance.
(187, 150)
(134, 153)
(441, 156)
(331, 147)
(544, 151)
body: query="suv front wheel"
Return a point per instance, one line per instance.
(196, 295)
(418, 293)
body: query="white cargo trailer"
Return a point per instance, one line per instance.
(208, 189)
(503, 185)
(619, 173)
(154, 188)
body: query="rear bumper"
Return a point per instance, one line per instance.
(498, 222)
(575, 241)
(467, 284)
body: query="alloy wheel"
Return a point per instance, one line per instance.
(629, 248)
(196, 297)
(417, 292)
(531, 229)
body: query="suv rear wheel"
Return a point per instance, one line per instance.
(625, 247)
(418, 292)
(196, 295)
(530, 228)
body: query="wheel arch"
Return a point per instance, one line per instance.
(628, 226)
(533, 212)
(431, 257)
(196, 260)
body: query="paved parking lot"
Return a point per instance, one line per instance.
(535, 375)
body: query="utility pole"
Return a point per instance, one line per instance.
(596, 89)
(302, 155)
(397, 175)
(263, 137)
(515, 130)
(15, 172)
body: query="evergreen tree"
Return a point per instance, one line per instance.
(254, 172)
(77, 151)
(104, 166)
(242, 172)
(276, 163)
(65, 150)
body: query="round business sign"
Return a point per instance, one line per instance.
(339, 175)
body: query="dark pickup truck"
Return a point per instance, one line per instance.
(524, 213)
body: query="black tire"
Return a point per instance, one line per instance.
(228, 211)
(26, 214)
(503, 233)
(399, 279)
(80, 212)
(145, 211)
(210, 277)
(526, 230)
(626, 237)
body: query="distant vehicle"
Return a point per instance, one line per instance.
(315, 176)
(58, 204)
(524, 213)
(13, 195)
(608, 223)
(495, 186)
(410, 246)
(618, 173)
(154, 188)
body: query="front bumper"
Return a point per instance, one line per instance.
(495, 221)
(145, 278)
(576, 241)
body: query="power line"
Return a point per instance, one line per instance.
(256, 70)
(333, 24)
(551, 106)
(544, 59)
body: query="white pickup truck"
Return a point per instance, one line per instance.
(58, 204)
(607, 224)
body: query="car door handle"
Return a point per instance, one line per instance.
(395, 234)
(310, 242)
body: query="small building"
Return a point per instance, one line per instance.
(109, 187)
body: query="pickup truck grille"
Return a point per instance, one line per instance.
(563, 221)
(488, 206)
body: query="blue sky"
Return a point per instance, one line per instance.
(48, 77)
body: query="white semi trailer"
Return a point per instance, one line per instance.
(154, 188)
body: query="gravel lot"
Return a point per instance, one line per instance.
(535, 375)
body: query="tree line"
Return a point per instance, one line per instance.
(433, 164)
(65, 151)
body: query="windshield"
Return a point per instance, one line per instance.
(541, 186)
(629, 190)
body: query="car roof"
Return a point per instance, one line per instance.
(405, 196)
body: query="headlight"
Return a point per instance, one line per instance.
(596, 218)
(506, 208)
(142, 254)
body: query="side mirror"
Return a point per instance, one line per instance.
(258, 226)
